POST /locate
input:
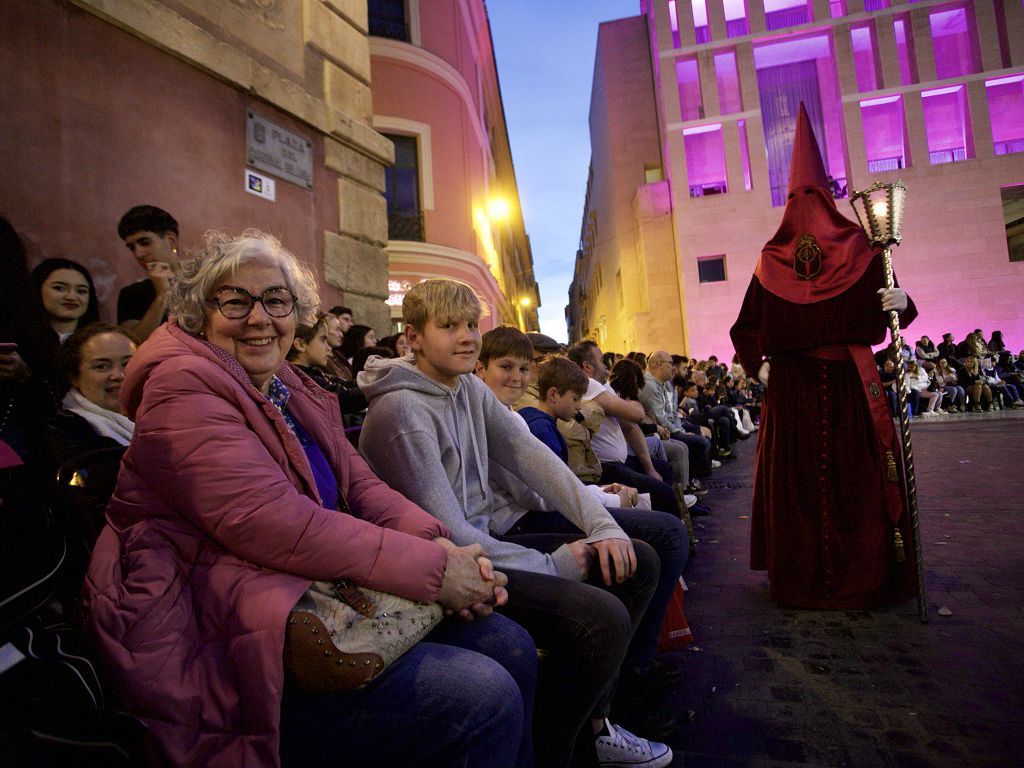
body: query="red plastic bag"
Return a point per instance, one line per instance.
(675, 630)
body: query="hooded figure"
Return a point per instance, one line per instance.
(828, 494)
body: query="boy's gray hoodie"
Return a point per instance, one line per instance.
(434, 444)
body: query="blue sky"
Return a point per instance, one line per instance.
(545, 55)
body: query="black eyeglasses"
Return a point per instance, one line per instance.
(237, 303)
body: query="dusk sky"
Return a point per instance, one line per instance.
(545, 54)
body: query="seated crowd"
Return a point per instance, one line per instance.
(950, 377)
(543, 496)
(237, 490)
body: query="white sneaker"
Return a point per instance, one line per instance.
(690, 499)
(621, 749)
(715, 463)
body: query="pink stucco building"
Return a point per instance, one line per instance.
(928, 92)
(453, 203)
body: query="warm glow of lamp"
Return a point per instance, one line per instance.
(879, 210)
(498, 209)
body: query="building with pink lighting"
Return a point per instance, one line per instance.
(452, 200)
(928, 92)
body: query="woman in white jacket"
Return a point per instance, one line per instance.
(918, 379)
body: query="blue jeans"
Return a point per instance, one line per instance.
(462, 697)
(700, 451)
(663, 496)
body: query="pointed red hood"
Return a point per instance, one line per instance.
(817, 253)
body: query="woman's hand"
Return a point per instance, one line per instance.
(469, 580)
(893, 298)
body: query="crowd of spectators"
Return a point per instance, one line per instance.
(566, 476)
(951, 377)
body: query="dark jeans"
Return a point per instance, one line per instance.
(667, 536)
(462, 697)
(585, 629)
(663, 497)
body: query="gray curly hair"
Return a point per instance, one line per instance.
(222, 254)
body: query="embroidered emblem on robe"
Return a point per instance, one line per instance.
(807, 258)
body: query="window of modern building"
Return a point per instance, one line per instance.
(386, 18)
(402, 191)
(885, 133)
(955, 41)
(1006, 113)
(875, 5)
(691, 105)
(711, 269)
(790, 71)
(748, 180)
(904, 34)
(705, 160)
(862, 38)
(779, 14)
(727, 76)
(673, 21)
(701, 30)
(736, 18)
(837, 8)
(947, 124)
(1013, 216)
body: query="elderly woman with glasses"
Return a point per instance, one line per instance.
(237, 490)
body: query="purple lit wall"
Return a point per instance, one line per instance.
(905, 49)
(1006, 113)
(884, 133)
(705, 160)
(837, 8)
(953, 39)
(947, 125)
(862, 39)
(779, 14)
(688, 77)
(700, 21)
(673, 20)
(745, 154)
(729, 98)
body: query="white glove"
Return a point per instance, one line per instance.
(762, 373)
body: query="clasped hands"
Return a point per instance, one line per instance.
(470, 587)
(617, 554)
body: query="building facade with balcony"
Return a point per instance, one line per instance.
(115, 103)
(928, 92)
(452, 200)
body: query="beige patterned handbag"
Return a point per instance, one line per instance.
(340, 637)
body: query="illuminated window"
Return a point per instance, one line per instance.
(863, 40)
(1006, 113)
(875, 5)
(701, 30)
(673, 21)
(691, 106)
(837, 8)
(745, 154)
(705, 160)
(736, 18)
(779, 14)
(947, 123)
(729, 98)
(955, 41)
(904, 35)
(884, 133)
(711, 269)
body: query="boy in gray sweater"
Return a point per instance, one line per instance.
(431, 431)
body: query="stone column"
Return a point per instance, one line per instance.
(684, 18)
(844, 59)
(981, 125)
(857, 159)
(755, 17)
(924, 48)
(988, 33)
(716, 19)
(886, 53)
(917, 139)
(1013, 18)
(708, 83)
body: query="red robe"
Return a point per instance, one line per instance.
(827, 494)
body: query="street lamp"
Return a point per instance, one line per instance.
(879, 210)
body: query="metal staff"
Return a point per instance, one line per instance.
(881, 215)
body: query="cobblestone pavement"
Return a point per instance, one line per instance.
(767, 686)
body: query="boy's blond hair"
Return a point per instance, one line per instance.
(441, 299)
(562, 374)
